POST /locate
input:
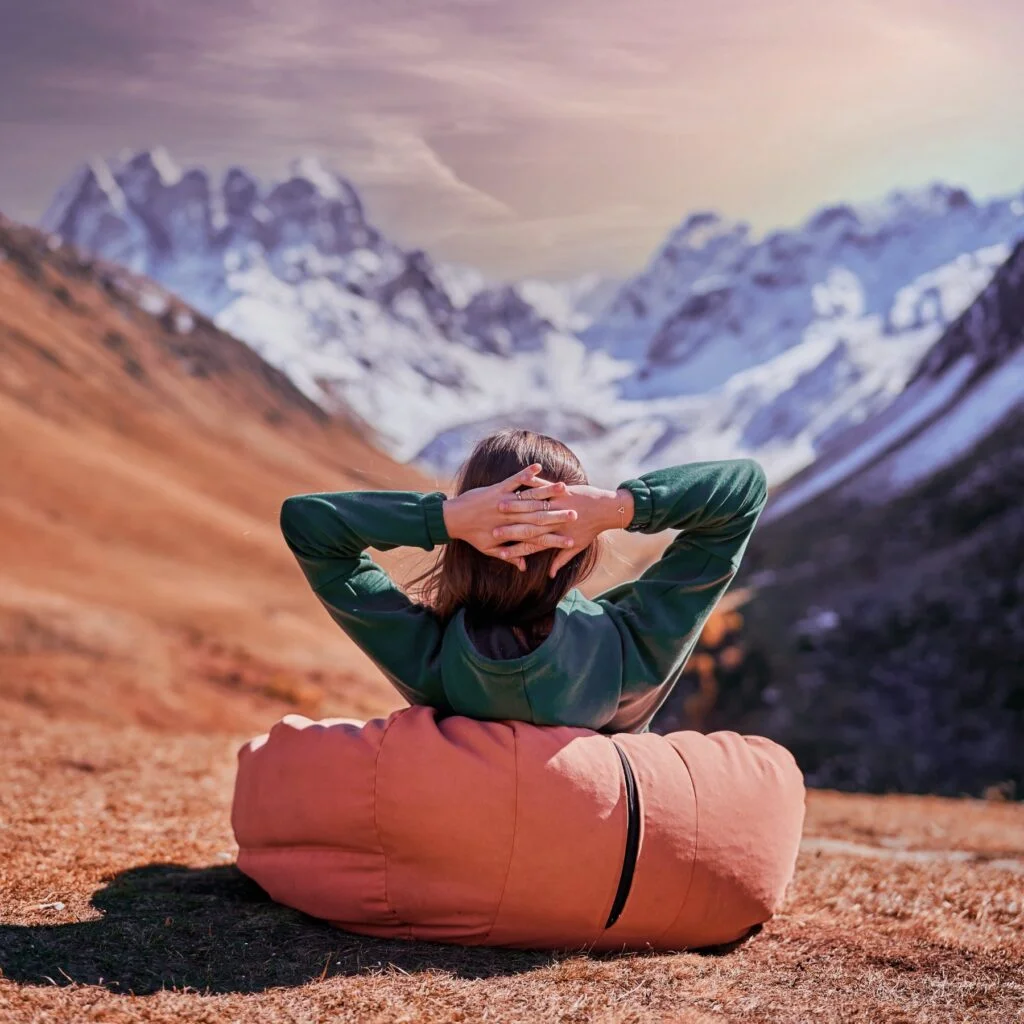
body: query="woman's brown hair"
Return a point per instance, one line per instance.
(494, 592)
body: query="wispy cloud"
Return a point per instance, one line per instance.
(520, 134)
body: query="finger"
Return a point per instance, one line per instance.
(555, 540)
(540, 540)
(535, 522)
(518, 531)
(553, 516)
(518, 506)
(544, 492)
(523, 477)
(537, 482)
(515, 552)
(562, 559)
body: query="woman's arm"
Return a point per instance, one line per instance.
(715, 506)
(329, 534)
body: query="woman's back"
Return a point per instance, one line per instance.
(606, 664)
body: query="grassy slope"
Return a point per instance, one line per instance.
(142, 575)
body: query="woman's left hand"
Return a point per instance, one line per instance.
(596, 510)
(476, 517)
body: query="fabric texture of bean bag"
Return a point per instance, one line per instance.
(508, 834)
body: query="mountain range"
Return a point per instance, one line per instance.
(726, 343)
(885, 621)
(887, 628)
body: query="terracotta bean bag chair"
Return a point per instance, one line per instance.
(508, 834)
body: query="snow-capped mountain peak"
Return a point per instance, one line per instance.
(726, 343)
(295, 268)
(699, 231)
(326, 182)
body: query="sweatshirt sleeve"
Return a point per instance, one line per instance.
(329, 534)
(715, 506)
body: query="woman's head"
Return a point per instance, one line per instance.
(492, 591)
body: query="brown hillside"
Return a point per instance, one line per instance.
(143, 460)
(142, 463)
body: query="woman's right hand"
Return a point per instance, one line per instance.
(597, 510)
(503, 526)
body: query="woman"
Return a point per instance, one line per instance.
(502, 633)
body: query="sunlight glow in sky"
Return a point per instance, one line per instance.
(528, 137)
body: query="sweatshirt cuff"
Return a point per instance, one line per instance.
(643, 504)
(433, 513)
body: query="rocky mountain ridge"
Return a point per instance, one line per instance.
(725, 344)
(887, 621)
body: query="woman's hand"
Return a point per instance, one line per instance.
(596, 510)
(499, 524)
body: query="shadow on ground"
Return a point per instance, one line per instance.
(213, 930)
(165, 926)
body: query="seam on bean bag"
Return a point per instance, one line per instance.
(515, 837)
(614, 888)
(376, 827)
(696, 847)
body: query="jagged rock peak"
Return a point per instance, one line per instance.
(702, 228)
(135, 177)
(989, 330)
(156, 162)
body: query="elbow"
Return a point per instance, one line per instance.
(292, 516)
(755, 471)
(758, 482)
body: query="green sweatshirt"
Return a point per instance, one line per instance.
(608, 664)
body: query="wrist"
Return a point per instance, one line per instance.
(616, 509)
(624, 508)
(450, 514)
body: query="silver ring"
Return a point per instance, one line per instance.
(547, 504)
(519, 495)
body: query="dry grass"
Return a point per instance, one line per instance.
(128, 829)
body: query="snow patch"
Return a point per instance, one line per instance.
(920, 405)
(988, 402)
(184, 322)
(108, 186)
(324, 181)
(167, 170)
(152, 302)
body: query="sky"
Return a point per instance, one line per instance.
(527, 137)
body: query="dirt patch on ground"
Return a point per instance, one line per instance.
(119, 901)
